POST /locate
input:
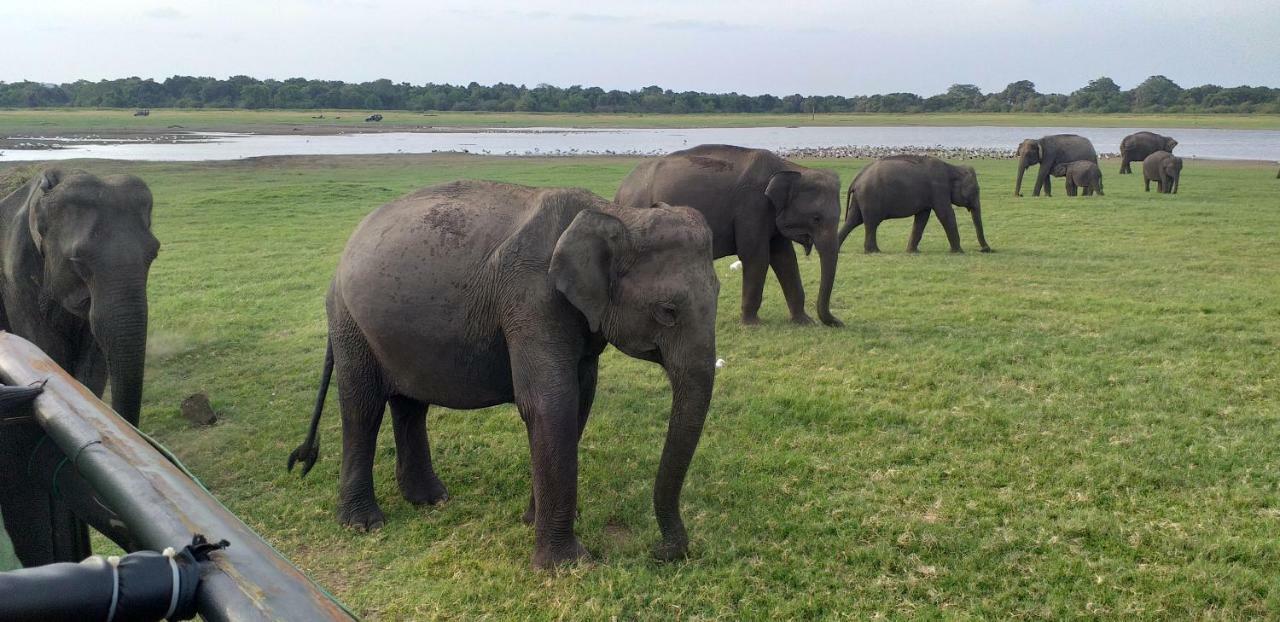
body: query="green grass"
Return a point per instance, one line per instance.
(1082, 424)
(46, 121)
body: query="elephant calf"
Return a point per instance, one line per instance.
(473, 294)
(1082, 174)
(1165, 169)
(908, 185)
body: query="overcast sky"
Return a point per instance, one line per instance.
(846, 47)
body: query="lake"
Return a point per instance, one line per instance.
(1197, 143)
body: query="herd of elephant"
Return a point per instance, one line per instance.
(472, 294)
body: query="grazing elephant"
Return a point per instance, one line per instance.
(75, 251)
(756, 204)
(1080, 174)
(1165, 168)
(908, 185)
(1048, 152)
(473, 294)
(1138, 145)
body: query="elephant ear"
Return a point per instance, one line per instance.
(582, 265)
(779, 188)
(39, 188)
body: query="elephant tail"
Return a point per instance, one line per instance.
(309, 451)
(852, 216)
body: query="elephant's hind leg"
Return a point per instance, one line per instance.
(414, 472)
(917, 231)
(782, 258)
(363, 399)
(1124, 166)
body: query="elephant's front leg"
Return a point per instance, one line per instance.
(755, 267)
(1042, 180)
(782, 258)
(547, 397)
(947, 217)
(917, 230)
(588, 370)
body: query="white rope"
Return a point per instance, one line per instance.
(115, 587)
(173, 597)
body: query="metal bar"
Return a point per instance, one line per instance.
(160, 504)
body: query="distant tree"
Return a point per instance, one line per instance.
(1101, 95)
(255, 96)
(1156, 93)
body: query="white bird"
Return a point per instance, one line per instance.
(737, 265)
(720, 363)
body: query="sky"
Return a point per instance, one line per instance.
(817, 47)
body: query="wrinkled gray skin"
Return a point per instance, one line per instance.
(756, 204)
(1138, 145)
(1048, 152)
(907, 185)
(473, 294)
(1165, 169)
(76, 252)
(1081, 174)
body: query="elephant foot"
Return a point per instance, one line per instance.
(913, 251)
(528, 516)
(549, 557)
(957, 251)
(671, 551)
(802, 319)
(365, 519)
(832, 321)
(750, 320)
(871, 251)
(987, 249)
(428, 492)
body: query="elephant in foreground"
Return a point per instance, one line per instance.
(1138, 145)
(473, 294)
(908, 185)
(1165, 169)
(75, 252)
(1048, 152)
(1081, 174)
(756, 204)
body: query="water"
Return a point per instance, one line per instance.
(1198, 143)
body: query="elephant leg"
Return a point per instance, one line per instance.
(1042, 179)
(1071, 186)
(869, 244)
(947, 216)
(588, 370)
(782, 258)
(755, 267)
(548, 402)
(414, 472)
(917, 231)
(1160, 186)
(1147, 181)
(362, 400)
(1124, 165)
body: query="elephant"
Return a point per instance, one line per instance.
(472, 294)
(1166, 169)
(1080, 174)
(909, 185)
(1048, 152)
(1138, 145)
(75, 252)
(756, 204)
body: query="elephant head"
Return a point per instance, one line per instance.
(1172, 171)
(645, 281)
(1028, 155)
(1169, 143)
(965, 193)
(94, 239)
(806, 203)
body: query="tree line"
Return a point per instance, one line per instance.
(1155, 94)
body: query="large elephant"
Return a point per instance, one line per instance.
(1138, 145)
(1165, 169)
(1048, 152)
(1081, 174)
(75, 251)
(756, 204)
(908, 185)
(472, 294)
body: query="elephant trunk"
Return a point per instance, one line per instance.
(976, 212)
(1022, 168)
(118, 318)
(828, 244)
(691, 386)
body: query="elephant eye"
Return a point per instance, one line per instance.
(816, 218)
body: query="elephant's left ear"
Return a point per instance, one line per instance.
(39, 187)
(779, 188)
(582, 265)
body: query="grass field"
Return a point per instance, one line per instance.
(79, 120)
(1082, 424)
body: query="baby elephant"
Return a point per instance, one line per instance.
(908, 185)
(1083, 174)
(1165, 169)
